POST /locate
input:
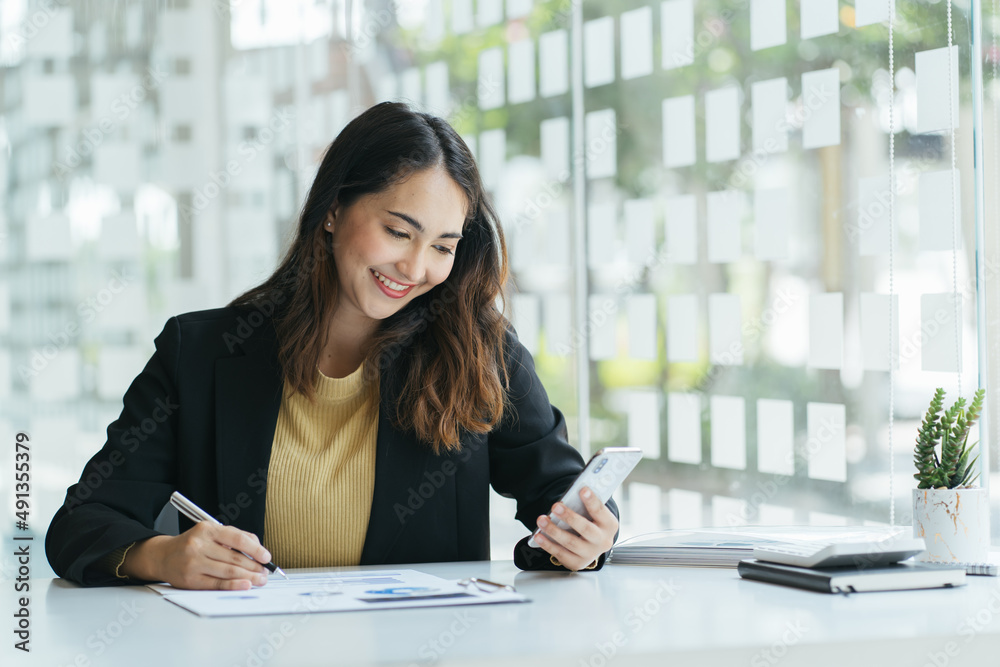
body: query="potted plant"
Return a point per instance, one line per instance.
(949, 513)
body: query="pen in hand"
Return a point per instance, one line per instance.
(196, 514)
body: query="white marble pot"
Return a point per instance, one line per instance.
(955, 524)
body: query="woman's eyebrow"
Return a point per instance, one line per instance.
(420, 228)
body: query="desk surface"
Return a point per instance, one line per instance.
(626, 615)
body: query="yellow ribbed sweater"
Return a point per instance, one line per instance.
(322, 473)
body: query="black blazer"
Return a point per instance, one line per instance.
(201, 417)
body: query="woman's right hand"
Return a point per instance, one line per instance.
(200, 558)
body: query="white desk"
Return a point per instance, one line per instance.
(647, 616)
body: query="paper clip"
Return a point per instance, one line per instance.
(486, 586)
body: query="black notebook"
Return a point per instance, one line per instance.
(897, 577)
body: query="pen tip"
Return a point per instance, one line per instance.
(281, 572)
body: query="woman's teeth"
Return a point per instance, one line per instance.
(391, 284)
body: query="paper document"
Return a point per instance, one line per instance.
(353, 590)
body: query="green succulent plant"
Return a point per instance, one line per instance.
(947, 466)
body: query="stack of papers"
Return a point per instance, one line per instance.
(354, 590)
(726, 547)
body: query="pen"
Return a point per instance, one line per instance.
(196, 514)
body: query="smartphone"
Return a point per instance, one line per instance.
(605, 472)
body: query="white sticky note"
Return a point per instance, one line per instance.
(819, 17)
(827, 425)
(939, 351)
(602, 152)
(826, 330)
(554, 138)
(767, 24)
(722, 124)
(637, 42)
(681, 217)
(553, 59)
(932, 67)
(641, 313)
(602, 221)
(490, 86)
(771, 225)
(821, 93)
(867, 12)
(411, 86)
(438, 98)
(729, 436)
(770, 126)
(521, 65)
(645, 507)
(492, 157)
(775, 436)
(678, 131)
(601, 312)
(940, 210)
(729, 512)
(872, 231)
(557, 239)
(725, 342)
(677, 33)
(644, 422)
(686, 508)
(489, 12)
(724, 217)
(599, 51)
(875, 331)
(640, 239)
(682, 328)
(684, 428)
(526, 320)
(558, 321)
(461, 16)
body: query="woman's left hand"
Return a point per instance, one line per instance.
(596, 535)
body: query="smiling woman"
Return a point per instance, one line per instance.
(362, 416)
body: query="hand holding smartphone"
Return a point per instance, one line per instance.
(604, 473)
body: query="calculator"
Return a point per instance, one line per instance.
(841, 554)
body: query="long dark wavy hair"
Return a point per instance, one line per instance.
(447, 346)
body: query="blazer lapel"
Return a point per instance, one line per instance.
(247, 397)
(400, 462)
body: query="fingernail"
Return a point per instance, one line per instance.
(267, 556)
(543, 521)
(260, 579)
(558, 509)
(586, 493)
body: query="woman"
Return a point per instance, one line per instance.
(352, 409)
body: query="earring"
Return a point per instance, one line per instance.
(328, 223)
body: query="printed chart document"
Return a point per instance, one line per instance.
(353, 590)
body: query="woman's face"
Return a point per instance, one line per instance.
(393, 246)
